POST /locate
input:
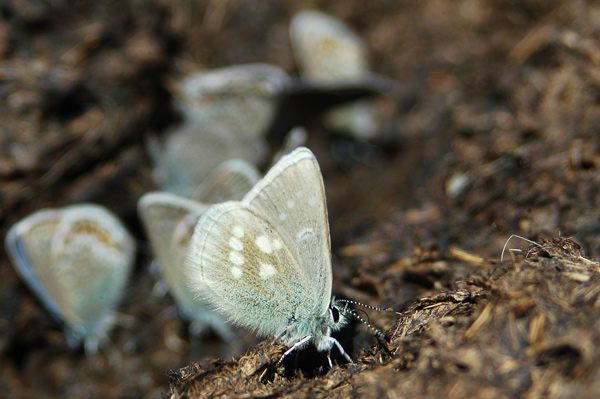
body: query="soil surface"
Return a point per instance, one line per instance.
(493, 132)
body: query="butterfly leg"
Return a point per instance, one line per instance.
(342, 351)
(298, 345)
(328, 342)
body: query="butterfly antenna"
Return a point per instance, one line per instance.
(347, 311)
(346, 301)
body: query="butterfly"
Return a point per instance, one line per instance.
(241, 99)
(226, 113)
(169, 222)
(327, 53)
(265, 261)
(77, 260)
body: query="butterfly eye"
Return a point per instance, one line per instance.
(335, 314)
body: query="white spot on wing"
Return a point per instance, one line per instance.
(276, 244)
(312, 201)
(236, 244)
(290, 203)
(282, 216)
(238, 231)
(264, 244)
(236, 272)
(236, 258)
(266, 271)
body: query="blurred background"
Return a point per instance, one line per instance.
(491, 129)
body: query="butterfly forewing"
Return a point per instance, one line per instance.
(33, 261)
(292, 197)
(240, 263)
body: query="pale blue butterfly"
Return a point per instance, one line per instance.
(265, 261)
(76, 259)
(169, 222)
(327, 53)
(227, 113)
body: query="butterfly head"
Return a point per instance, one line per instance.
(316, 326)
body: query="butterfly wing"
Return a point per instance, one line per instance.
(328, 52)
(229, 181)
(169, 221)
(76, 261)
(192, 151)
(242, 99)
(93, 253)
(239, 263)
(325, 48)
(292, 198)
(161, 213)
(28, 244)
(265, 260)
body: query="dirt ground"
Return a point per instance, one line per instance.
(493, 132)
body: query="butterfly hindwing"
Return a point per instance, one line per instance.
(239, 262)
(93, 254)
(161, 214)
(169, 221)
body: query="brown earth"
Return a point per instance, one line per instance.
(495, 133)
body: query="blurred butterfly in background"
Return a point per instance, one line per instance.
(329, 53)
(169, 222)
(192, 153)
(229, 181)
(242, 99)
(265, 262)
(227, 113)
(76, 260)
